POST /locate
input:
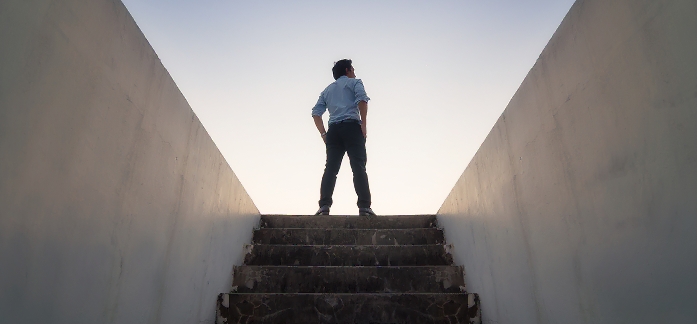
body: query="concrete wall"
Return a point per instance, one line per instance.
(115, 204)
(581, 204)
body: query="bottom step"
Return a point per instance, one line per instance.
(237, 308)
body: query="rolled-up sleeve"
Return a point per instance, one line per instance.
(359, 90)
(320, 107)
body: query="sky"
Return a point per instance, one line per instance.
(439, 75)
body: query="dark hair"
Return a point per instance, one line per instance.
(340, 67)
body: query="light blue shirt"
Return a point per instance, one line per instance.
(341, 98)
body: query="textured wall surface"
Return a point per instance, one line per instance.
(115, 204)
(581, 204)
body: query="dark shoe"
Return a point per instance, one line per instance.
(365, 212)
(324, 210)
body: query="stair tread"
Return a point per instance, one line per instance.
(308, 279)
(352, 267)
(344, 228)
(357, 294)
(341, 236)
(348, 308)
(347, 255)
(346, 221)
(356, 245)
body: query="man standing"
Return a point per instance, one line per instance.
(347, 103)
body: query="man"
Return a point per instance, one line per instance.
(347, 103)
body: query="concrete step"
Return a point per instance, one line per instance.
(341, 236)
(311, 279)
(347, 255)
(360, 222)
(348, 308)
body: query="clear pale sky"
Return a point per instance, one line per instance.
(439, 74)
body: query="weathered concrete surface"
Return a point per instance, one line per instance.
(349, 222)
(282, 282)
(349, 308)
(580, 206)
(348, 255)
(115, 204)
(371, 279)
(340, 236)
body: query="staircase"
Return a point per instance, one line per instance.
(348, 269)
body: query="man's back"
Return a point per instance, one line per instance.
(341, 98)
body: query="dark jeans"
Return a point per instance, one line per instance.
(345, 137)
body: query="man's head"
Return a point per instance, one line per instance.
(343, 67)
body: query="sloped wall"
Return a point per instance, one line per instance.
(115, 204)
(581, 204)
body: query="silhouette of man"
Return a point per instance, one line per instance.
(347, 103)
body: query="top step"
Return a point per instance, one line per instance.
(350, 222)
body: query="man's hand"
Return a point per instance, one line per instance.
(320, 127)
(363, 110)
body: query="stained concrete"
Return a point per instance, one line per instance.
(347, 255)
(115, 204)
(349, 308)
(579, 207)
(338, 279)
(283, 282)
(335, 236)
(349, 222)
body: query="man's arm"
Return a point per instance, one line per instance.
(362, 99)
(320, 127)
(317, 112)
(363, 109)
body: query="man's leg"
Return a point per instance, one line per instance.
(335, 153)
(355, 146)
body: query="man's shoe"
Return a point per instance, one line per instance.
(365, 212)
(324, 210)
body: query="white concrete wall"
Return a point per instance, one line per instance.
(115, 204)
(581, 204)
